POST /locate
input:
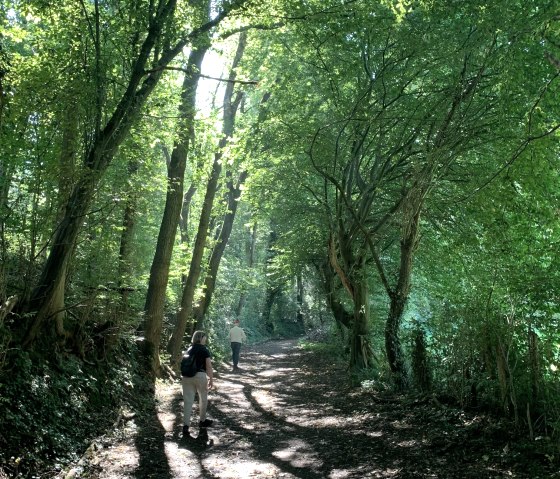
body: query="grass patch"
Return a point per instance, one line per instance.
(320, 348)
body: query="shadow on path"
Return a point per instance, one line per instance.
(150, 444)
(289, 414)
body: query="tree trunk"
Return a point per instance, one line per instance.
(48, 295)
(250, 262)
(185, 312)
(533, 343)
(125, 250)
(218, 251)
(185, 210)
(272, 289)
(69, 149)
(5, 180)
(399, 298)
(299, 301)
(270, 297)
(360, 349)
(341, 316)
(420, 364)
(352, 274)
(159, 272)
(65, 182)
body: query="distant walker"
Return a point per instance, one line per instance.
(237, 337)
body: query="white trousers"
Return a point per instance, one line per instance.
(197, 384)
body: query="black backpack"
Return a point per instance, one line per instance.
(188, 366)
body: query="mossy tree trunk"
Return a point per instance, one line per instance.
(399, 294)
(350, 266)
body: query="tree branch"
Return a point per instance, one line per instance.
(184, 70)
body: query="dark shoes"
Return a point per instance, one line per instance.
(185, 430)
(206, 423)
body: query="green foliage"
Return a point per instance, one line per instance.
(378, 82)
(328, 349)
(51, 410)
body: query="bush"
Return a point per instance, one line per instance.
(50, 410)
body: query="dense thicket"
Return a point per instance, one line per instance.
(382, 173)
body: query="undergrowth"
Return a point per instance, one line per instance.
(51, 409)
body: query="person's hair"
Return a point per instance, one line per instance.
(197, 337)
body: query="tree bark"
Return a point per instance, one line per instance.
(5, 181)
(185, 311)
(48, 295)
(272, 289)
(341, 316)
(125, 249)
(250, 262)
(65, 182)
(535, 375)
(360, 349)
(352, 273)
(399, 298)
(218, 251)
(299, 300)
(271, 293)
(185, 210)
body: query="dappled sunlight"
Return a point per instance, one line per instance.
(410, 443)
(241, 468)
(274, 373)
(178, 457)
(401, 425)
(372, 473)
(318, 422)
(340, 474)
(124, 457)
(268, 401)
(314, 418)
(275, 421)
(298, 453)
(237, 400)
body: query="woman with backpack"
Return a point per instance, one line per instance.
(199, 383)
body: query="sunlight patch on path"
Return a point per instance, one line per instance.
(320, 421)
(371, 474)
(225, 469)
(268, 402)
(273, 373)
(411, 443)
(298, 454)
(184, 463)
(123, 458)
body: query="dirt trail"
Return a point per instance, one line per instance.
(289, 414)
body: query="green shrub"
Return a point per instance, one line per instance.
(51, 409)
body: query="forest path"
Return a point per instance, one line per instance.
(289, 414)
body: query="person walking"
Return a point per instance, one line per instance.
(237, 337)
(199, 383)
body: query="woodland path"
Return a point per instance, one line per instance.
(290, 414)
